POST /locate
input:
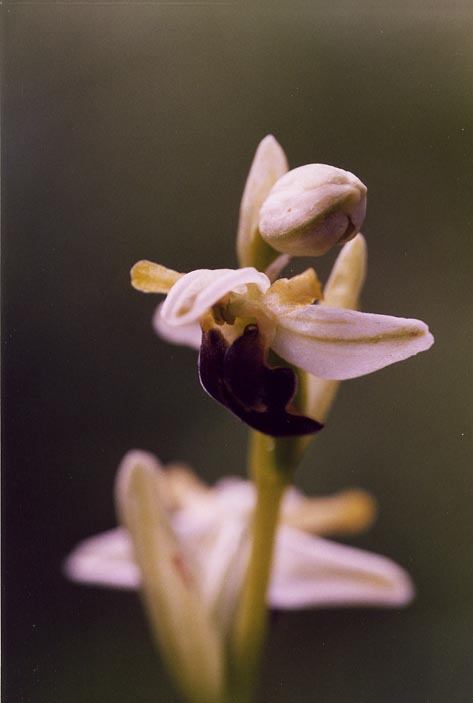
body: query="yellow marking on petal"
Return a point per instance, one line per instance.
(345, 513)
(299, 291)
(153, 278)
(407, 333)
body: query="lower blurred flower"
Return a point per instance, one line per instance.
(211, 529)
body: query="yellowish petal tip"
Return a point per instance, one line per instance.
(298, 291)
(345, 513)
(135, 463)
(361, 509)
(358, 246)
(149, 277)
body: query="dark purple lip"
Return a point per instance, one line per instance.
(237, 376)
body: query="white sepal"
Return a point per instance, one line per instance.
(344, 285)
(104, 560)
(268, 165)
(339, 344)
(314, 572)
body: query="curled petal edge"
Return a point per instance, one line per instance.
(199, 290)
(186, 335)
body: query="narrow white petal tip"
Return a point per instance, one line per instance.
(348, 275)
(358, 243)
(269, 141)
(138, 457)
(104, 560)
(402, 589)
(134, 461)
(184, 335)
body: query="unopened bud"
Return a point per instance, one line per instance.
(311, 209)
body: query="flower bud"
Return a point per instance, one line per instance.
(312, 208)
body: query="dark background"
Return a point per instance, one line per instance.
(128, 132)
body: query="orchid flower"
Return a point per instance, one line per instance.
(195, 563)
(243, 315)
(237, 316)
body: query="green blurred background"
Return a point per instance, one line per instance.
(129, 129)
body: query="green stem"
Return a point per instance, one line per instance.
(271, 465)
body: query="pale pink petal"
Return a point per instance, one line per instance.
(223, 561)
(186, 335)
(314, 572)
(338, 344)
(198, 290)
(104, 560)
(236, 497)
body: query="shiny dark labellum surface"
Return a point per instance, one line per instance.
(237, 376)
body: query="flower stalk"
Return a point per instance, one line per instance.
(272, 462)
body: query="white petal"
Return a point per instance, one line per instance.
(234, 495)
(104, 560)
(344, 513)
(186, 335)
(231, 500)
(314, 572)
(215, 529)
(343, 288)
(190, 643)
(198, 290)
(225, 558)
(338, 344)
(268, 165)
